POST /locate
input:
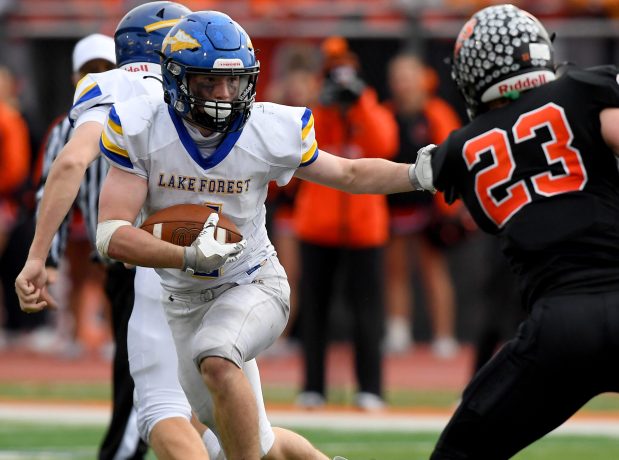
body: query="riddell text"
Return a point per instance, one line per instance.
(526, 83)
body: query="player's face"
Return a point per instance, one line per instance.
(210, 87)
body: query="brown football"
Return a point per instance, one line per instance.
(181, 224)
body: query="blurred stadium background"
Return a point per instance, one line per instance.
(37, 36)
(36, 40)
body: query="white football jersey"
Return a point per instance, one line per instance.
(96, 92)
(147, 138)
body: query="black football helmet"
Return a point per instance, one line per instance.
(500, 52)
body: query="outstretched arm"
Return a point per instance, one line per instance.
(363, 175)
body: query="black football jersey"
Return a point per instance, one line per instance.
(538, 173)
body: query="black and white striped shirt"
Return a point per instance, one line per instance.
(88, 196)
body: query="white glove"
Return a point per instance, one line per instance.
(206, 253)
(420, 173)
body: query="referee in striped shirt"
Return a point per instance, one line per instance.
(95, 53)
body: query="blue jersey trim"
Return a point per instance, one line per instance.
(305, 118)
(114, 157)
(220, 153)
(96, 91)
(114, 116)
(311, 160)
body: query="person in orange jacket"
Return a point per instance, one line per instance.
(15, 159)
(342, 234)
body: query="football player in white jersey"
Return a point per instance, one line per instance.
(209, 143)
(163, 412)
(162, 409)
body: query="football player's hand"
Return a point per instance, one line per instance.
(420, 173)
(31, 287)
(206, 253)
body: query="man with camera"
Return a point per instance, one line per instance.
(342, 236)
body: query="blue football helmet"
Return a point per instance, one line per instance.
(212, 44)
(140, 33)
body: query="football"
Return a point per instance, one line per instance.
(182, 223)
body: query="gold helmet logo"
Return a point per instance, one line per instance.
(181, 40)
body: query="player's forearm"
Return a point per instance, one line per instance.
(378, 176)
(137, 247)
(62, 185)
(60, 191)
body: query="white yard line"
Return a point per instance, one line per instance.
(73, 414)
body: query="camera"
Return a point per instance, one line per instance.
(342, 86)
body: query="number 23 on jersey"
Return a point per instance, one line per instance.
(558, 150)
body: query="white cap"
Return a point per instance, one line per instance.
(95, 46)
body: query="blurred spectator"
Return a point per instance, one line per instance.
(8, 88)
(342, 236)
(420, 230)
(296, 83)
(299, 87)
(85, 324)
(16, 223)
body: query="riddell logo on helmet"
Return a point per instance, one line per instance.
(518, 83)
(137, 68)
(222, 63)
(523, 84)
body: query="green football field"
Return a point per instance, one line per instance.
(19, 441)
(68, 391)
(42, 439)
